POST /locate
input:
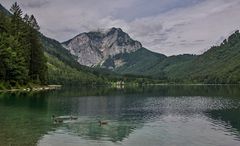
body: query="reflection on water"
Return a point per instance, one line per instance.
(157, 115)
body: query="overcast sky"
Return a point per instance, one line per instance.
(166, 26)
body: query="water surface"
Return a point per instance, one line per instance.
(156, 115)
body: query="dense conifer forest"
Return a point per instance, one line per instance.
(21, 52)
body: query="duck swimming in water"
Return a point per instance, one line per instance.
(56, 120)
(102, 122)
(60, 119)
(73, 118)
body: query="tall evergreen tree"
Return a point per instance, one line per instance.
(14, 70)
(16, 17)
(38, 67)
(21, 53)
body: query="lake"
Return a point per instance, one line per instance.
(180, 115)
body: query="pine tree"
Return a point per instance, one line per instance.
(16, 17)
(38, 66)
(14, 70)
(21, 54)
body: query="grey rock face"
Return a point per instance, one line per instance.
(94, 48)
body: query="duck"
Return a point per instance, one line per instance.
(56, 120)
(102, 122)
(73, 117)
(60, 119)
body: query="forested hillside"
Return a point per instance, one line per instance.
(21, 53)
(27, 56)
(138, 62)
(63, 67)
(219, 65)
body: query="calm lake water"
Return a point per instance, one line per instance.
(144, 116)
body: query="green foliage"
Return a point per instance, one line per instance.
(219, 65)
(138, 62)
(21, 55)
(23, 60)
(2, 87)
(14, 69)
(61, 73)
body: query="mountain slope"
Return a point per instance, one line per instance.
(62, 66)
(220, 64)
(137, 62)
(115, 50)
(170, 67)
(59, 55)
(93, 48)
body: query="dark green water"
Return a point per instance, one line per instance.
(158, 115)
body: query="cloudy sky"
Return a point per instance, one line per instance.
(166, 26)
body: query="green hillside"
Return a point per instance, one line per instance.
(62, 67)
(146, 63)
(61, 73)
(220, 64)
(136, 62)
(171, 67)
(65, 61)
(22, 59)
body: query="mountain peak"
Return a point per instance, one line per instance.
(94, 47)
(116, 29)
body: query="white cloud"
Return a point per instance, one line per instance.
(168, 26)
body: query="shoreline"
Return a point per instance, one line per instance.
(56, 87)
(33, 89)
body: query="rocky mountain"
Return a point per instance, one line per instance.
(94, 48)
(115, 50)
